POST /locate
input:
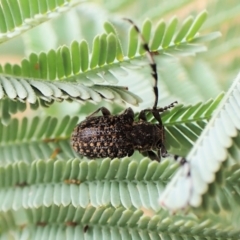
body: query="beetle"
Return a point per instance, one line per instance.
(119, 135)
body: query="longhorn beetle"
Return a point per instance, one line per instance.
(118, 136)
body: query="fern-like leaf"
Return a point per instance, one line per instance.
(75, 221)
(118, 183)
(31, 90)
(77, 63)
(17, 17)
(111, 193)
(29, 140)
(207, 155)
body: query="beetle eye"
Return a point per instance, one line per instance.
(159, 144)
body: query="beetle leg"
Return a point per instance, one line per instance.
(152, 155)
(159, 154)
(167, 107)
(129, 112)
(105, 112)
(142, 115)
(157, 116)
(155, 112)
(164, 152)
(181, 160)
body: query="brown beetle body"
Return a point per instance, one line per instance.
(116, 136)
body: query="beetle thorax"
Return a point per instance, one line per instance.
(146, 136)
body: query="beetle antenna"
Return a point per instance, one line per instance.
(151, 60)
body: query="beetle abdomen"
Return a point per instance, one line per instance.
(104, 136)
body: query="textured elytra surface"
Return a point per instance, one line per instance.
(115, 136)
(103, 136)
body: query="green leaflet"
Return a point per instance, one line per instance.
(158, 36)
(146, 32)
(17, 17)
(200, 19)
(109, 28)
(169, 32)
(184, 29)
